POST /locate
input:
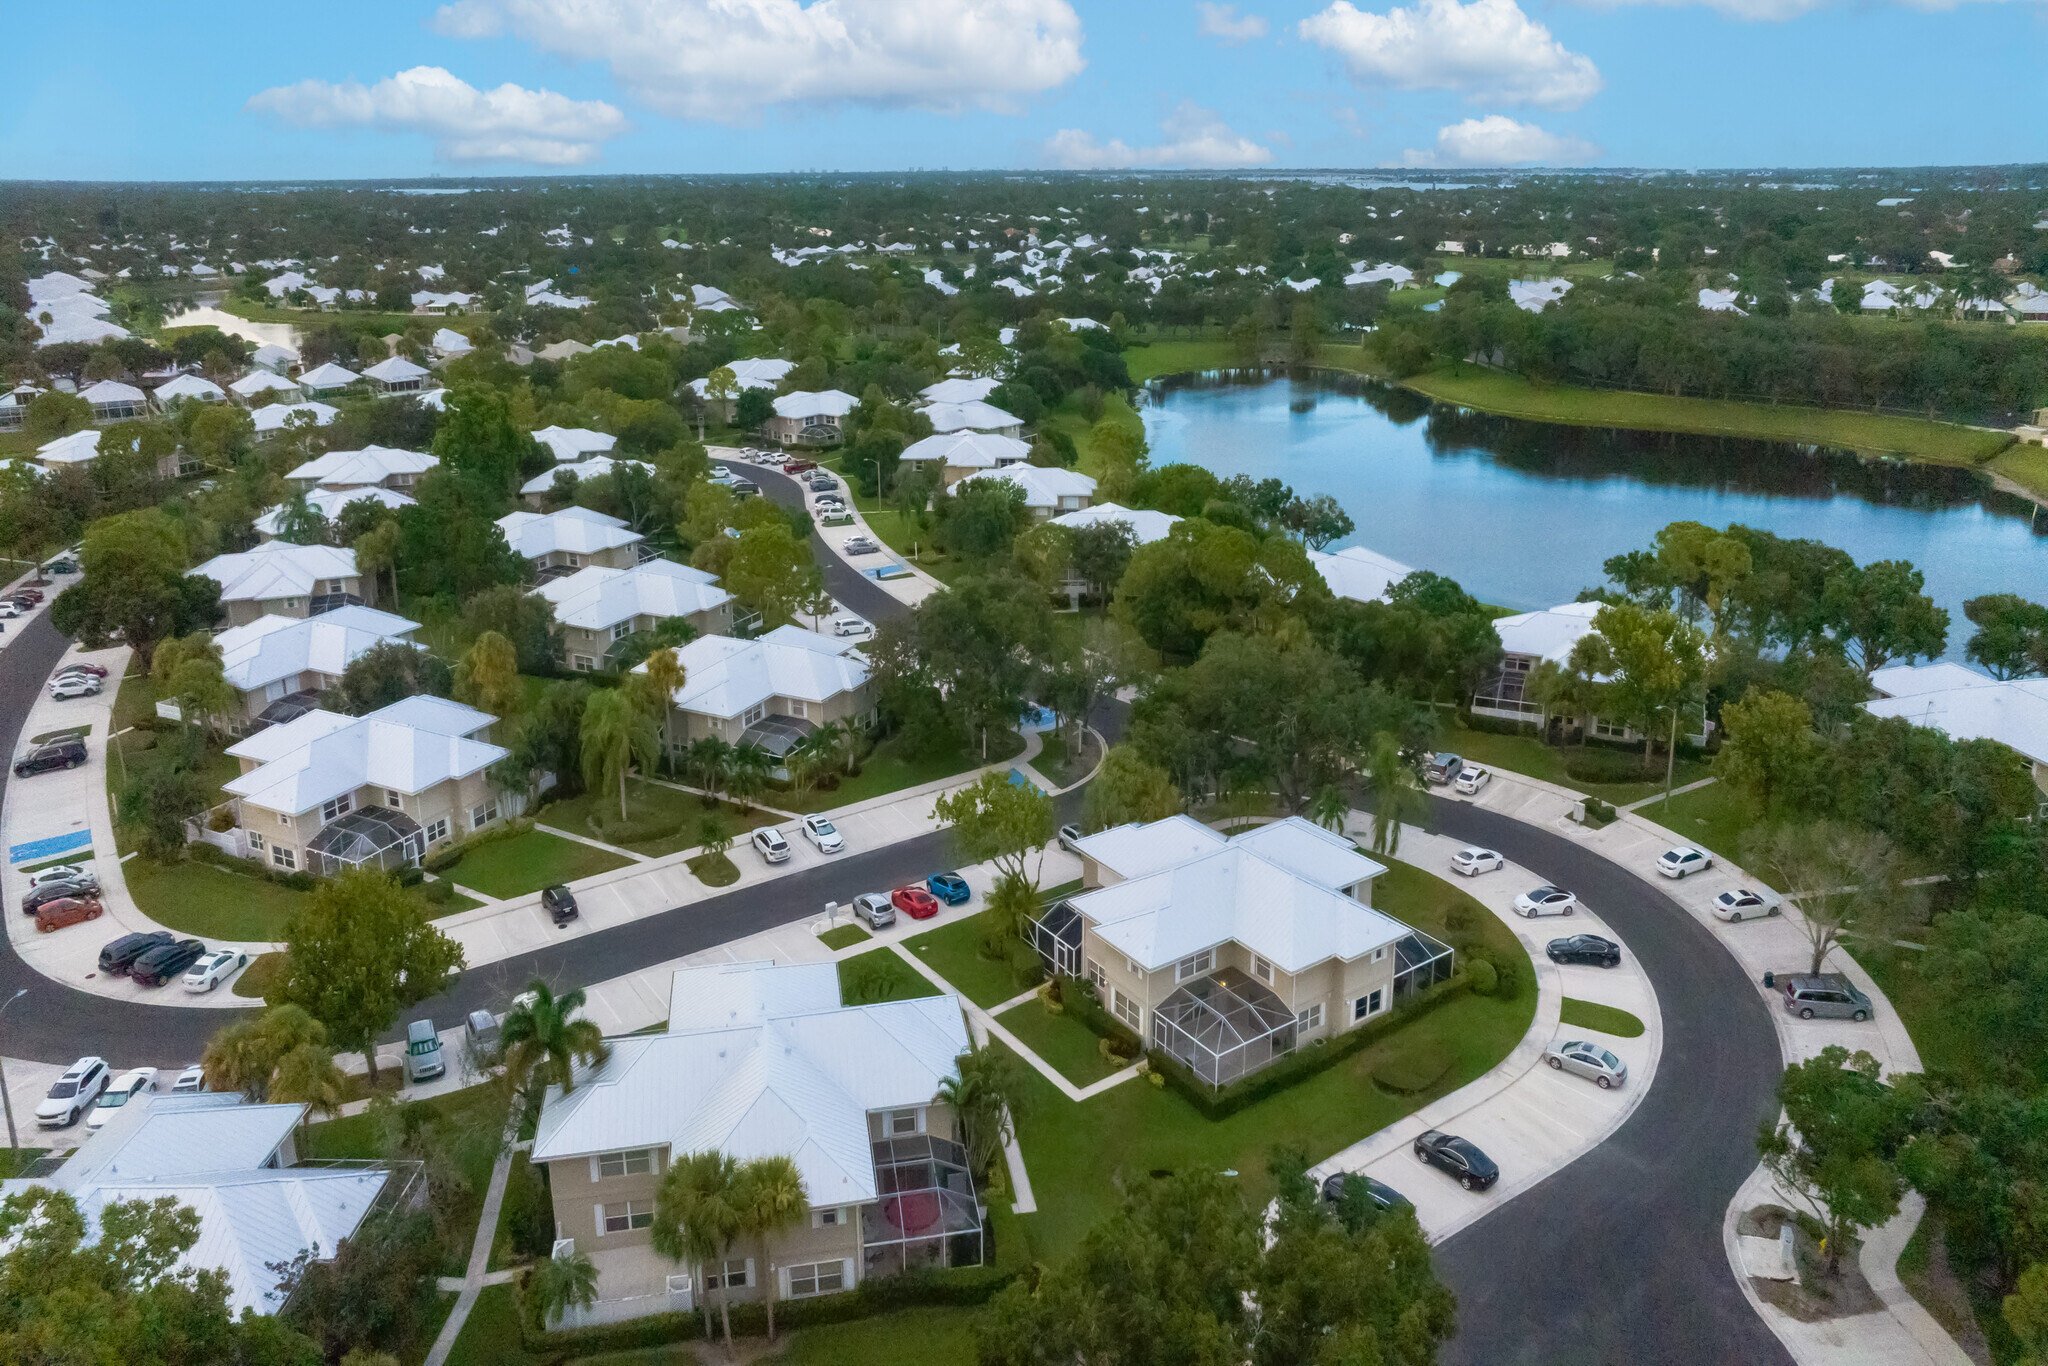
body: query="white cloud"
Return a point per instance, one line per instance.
(1498, 140)
(1194, 138)
(1489, 50)
(1224, 22)
(510, 123)
(728, 60)
(1773, 11)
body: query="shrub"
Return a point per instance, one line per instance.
(1599, 813)
(529, 1212)
(437, 893)
(1482, 977)
(1595, 764)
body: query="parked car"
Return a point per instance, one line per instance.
(1458, 1156)
(829, 502)
(215, 968)
(1741, 903)
(72, 1093)
(1587, 1060)
(560, 903)
(28, 596)
(1829, 995)
(423, 1061)
(66, 910)
(798, 466)
(58, 872)
(770, 845)
(1471, 778)
(721, 474)
(87, 886)
(9, 608)
(61, 567)
(120, 955)
(1442, 769)
(1584, 948)
(69, 686)
(480, 1027)
(860, 545)
(190, 1080)
(950, 888)
(1546, 900)
(1683, 860)
(1379, 1192)
(845, 625)
(915, 902)
(839, 518)
(119, 1092)
(166, 961)
(1070, 838)
(820, 831)
(821, 482)
(80, 666)
(875, 909)
(1473, 861)
(66, 753)
(745, 488)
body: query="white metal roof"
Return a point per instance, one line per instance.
(1357, 573)
(974, 415)
(567, 443)
(573, 531)
(1043, 485)
(725, 677)
(274, 647)
(968, 450)
(592, 468)
(277, 569)
(111, 391)
(408, 746)
(1547, 634)
(263, 382)
(1307, 850)
(328, 376)
(272, 417)
(754, 372)
(725, 995)
(75, 449)
(960, 389)
(1966, 705)
(815, 403)
(330, 502)
(395, 370)
(596, 598)
(1147, 524)
(1135, 849)
(359, 469)
(189, 386)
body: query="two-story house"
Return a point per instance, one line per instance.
(328, 792)
(1230, 953)
(280, 578)
(372, 467)
(598, 607)
(752, 372)
(760, 1060)
(809, 417)
(558, 543)
(1357, 573)
(1529, 640)
(293, 659)
(573, 443)
(1966, 705)
(1048, 490)
(975, 415)
(770, 692)
(537, 490)
(955, 455)
(329, 504)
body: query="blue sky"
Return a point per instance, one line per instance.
(311, 89)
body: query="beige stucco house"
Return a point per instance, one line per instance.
(280, 578)
(557, 543)
(598, 607)
(770, 692)
(276, 658)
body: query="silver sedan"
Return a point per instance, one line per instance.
(1588, 1060)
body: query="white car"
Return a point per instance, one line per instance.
(821, 832)
(63, 872)
(71, 1094)
(830, 502)
(770, 845)
(1741, 903)
(851, 626)
(214, 968)
(190, 1080)
(126, 1087)
(1588, 1060)
(1545, 900)
(1471, 778)
(1683, 860)
(1474, 861)
(74, 685)
(8, 608)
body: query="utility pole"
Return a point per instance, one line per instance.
(7, 1101)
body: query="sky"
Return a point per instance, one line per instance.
(234, 90)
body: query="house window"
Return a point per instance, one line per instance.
(754, 713)
(1312, 1018)
(898, 1122)
(828, 1218)
(736, 1275)
(438, 831)
(1261, 969)
(285, 821)
(625, 1216)
(394, 799)
(284, 857)
(573, 561)
(1368, 1004)
(1097, 975)
(622, 630)
(255, 842)
(1379, 955)
(483, 815)
(1195, 965)
(338, 807)
(582, 663)
(798, 709)
(638, 1162)
(1127, 1010)
(816, 1278)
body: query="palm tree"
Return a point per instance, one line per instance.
(559, 1284)
(771, 1199)
(806, 763)
(246, 1056)
(299, 522)
(697, 1215)
(657, 683)
(615, 734)
(747, 772)
(1329, 807)
(707, 762)
(542, 1039)
(307, 1076)
(1397, 796)
(983, 1093)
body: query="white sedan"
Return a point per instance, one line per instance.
(1474, 861)
(1471, 778)
(1741, 903)
(63, 872)
(125, 1088)
(1545, 900)
(74, 685)
(1683, 860)
(214, 968)
(191, 1079)
(1588, 1060)
(825, 835)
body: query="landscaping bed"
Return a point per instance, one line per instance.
(713, 870)
(518, 865)
(660, 819)
(1606, 1019)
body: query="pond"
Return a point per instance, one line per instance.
(1523, 513)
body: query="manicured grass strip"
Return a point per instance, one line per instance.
(211, 903)
(844, 936)
(913, 1335)
(713, 870)
(1713, 817)
(1179, 358)
(879, 975)
(1066, 1043)
(47, 736)
(2026, 466)
(890, 769)
(524, 863)
(1528, 755)
(1607, 1019)
(490, 1335)
(254, 981)
(953, 951)
(76, 856)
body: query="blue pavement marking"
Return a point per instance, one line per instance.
(46, 848)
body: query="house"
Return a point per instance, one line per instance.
(448, 343)
(708, 299)
(259, 382)
(573, 443)
(1529, 639)
(274, 358)
(754, 372)
(972, 416)
(327, 792)
(955, 455)
(396, 375)
(1357, 573)
(597, 607)
(567, 349)
(763, 1060)
(187, 389)
(282, 579)
(559, 542)
(385, 467)
(275, 417)
(75, 449)
(1966, 705)
(329, 504)
(1146, 525)
(329, 378)
(113, 401)
(809, 417)
(235, 1166)
(771, 692)
(960, 389)
(536, 489)
(293, 659)
(1048, 489)
(1230, 953)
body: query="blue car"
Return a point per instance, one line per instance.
(950, 888)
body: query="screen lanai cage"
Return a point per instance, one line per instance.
(927, 1215)
(368, 837)
(1223, 1026)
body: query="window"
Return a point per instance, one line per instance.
(1195, 965)
(255, 842)
(622, 630)
(638, 1162)
(1128, 1011)
(438, 831)
(1261, 969)
(481, 816)
(582, 663)
(1368, 1004)
(338, 807)
(1312, 1018)
(897, 1122)
(828, 1218)
(737, 1275)
(394, 799)
(574, 561)
(754, 713)
(1378, 955)
(285, 821)
(625, 1216)
(1097, 975)
(798, 709)
(816, 1278)
(283, 857)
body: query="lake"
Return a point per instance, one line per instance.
(1523, 513)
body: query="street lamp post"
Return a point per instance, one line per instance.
(7, 1101)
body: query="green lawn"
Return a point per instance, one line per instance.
(674, 1354)
(1527, 754)
(216, 903)
(526, 862)
(953, 951)
(888, 769)
(2026, 466)
(844, 936)
(1062, 1040)
(1713, 817)
(476, 1119)
(1178, 358)
(880, 975)
(714, 870)
(1607, 1019)
(490, 1335)
(664, 820)
(254, 981)
(1945, 1041)
(913, 1337)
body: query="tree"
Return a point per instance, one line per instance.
(1847, 881)
(747, 767)
(752, 409)
(615, 735)
(1329, 807)
(1883, 616)
(984, 1093)
(562, 1282)
(1304, 334)
(353, 1304)
(2012, 634)
(389, 671)
(2026, 1313)
(449, 542)
(135, 585)
(1769, 751)
(477, 438)
(1989, 968)
(550, 736)
(1837, 1147)
(997, 821)
(1202, 577)
(707, 761)
(542, 1039)
(526, 619)
(656, 683)
(980, 518)
(246, 1055)
(1651, 663)
(358, 952)
(1397, 795)
(299, 522)
(772, 572)
(698, 1214)
(1318, 520)
(720, 387)
(771, 1198)
(1126, 788)
(377, 549)
(487, 677)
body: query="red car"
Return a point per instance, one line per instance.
(798, 466)
(915, 902)
(81, 667)
(55, 915)
(28, 595)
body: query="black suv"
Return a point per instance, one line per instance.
(66, 753)
(160, 964)
(119, 956)
(560, 903)
(86, 885)
(1585, 948)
